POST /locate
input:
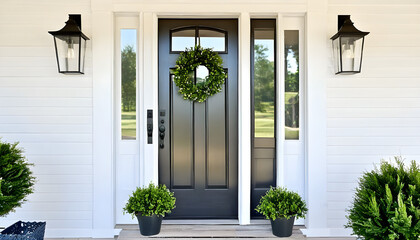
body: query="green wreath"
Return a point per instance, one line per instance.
(183, 73)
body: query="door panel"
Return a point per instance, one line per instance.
(182, 141)
(217, 176)
(198, 148)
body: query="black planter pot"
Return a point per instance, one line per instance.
(149, 225)
(24, 231)
(282, 227)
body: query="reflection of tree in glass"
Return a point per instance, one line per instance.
(292, 78)
(128, 79)
(263, 79)
(292, 86)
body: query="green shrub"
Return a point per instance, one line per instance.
(16, 180)
(281, 203)
(387, 203)
(151, 200)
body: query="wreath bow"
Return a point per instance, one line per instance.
(185, 66)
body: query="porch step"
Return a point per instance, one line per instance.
(206, 231)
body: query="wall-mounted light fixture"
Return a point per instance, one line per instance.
(348, 47)
(70, 46)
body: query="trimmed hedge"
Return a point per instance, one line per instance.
(16, 181)
(387, 203)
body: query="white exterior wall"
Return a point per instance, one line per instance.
(50, 114)
(374, 114)
(65, 122)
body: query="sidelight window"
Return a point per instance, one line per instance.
(291, 88)
(263, 89)
(128, 83)
(264, 82)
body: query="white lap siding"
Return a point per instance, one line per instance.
(50, 114)
(374, 114)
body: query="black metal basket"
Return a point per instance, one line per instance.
(24, 231)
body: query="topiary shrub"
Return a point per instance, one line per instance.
(151, 200)
(281, 203)
(16, 181)
(387, 203)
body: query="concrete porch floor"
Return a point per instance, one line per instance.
(206, 231)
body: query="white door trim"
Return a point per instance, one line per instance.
(316, 112)
(149, 31)
(244, 119)
(103, 203)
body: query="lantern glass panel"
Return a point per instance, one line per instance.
(351, 53)
(68, 53)
(82, 54)
(337, 55)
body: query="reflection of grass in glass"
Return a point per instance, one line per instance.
(128, 125)
(289, 95)
(291, 132)
(264, 121)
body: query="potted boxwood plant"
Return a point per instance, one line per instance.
(16, 183)
(149, 205)
(281, 206)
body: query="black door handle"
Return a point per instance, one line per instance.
(162, 128)
(149, 126)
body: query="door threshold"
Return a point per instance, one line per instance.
(212, 221)
(201, 221)
(204, 222)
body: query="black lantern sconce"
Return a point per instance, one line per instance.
(70, 46)
(348, 47)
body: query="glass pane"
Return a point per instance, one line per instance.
(128, 83)
(264, 90)
(182, 39)
(351, 48)
(68, 52)
(291, 50)
(212, 39)
(336, 52)
(82, 55)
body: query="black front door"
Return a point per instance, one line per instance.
(198, 157)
